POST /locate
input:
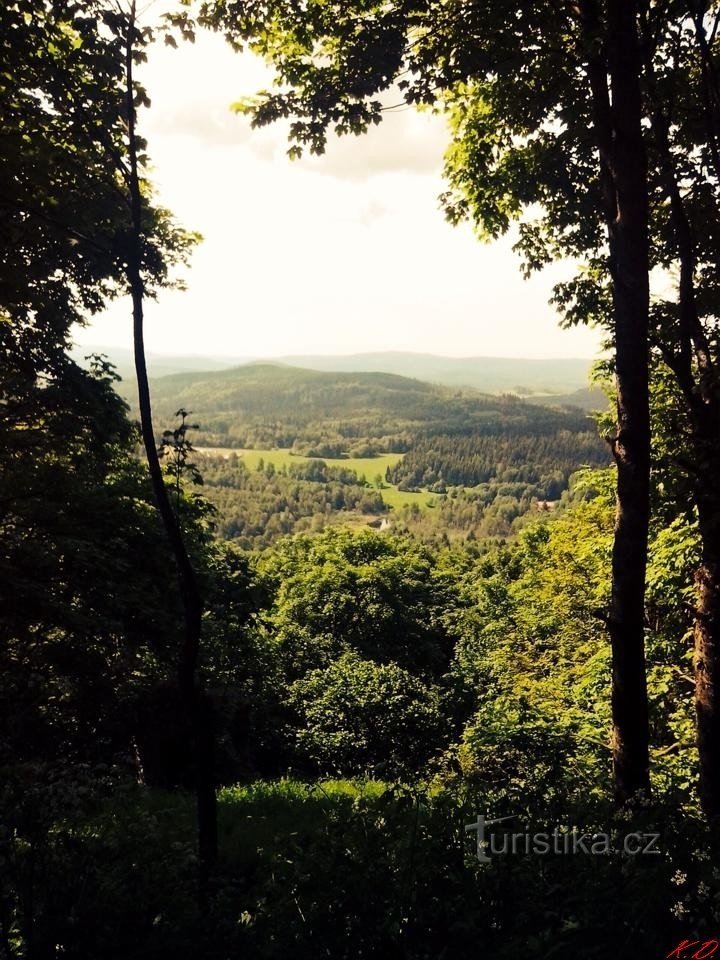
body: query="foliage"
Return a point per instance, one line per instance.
(85, 621)
(64, 218)
(358, 716)
(378, 596)
(541, 461)
(476, 672)
(359, 869)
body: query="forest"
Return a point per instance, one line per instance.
(294, 450)
(330, 414)
(240, 715)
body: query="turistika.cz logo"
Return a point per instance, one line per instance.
(567, 841)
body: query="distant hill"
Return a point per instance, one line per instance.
(334, 414)
(292, 401)
(159, 364)
(270, 390)
(590, 398)
(488, 374)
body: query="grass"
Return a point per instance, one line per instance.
(395, 498)
(366, 468)
(257, 816)
(349, 869)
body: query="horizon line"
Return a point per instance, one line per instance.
(251, 358)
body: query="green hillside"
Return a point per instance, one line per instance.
(334, 414)
(489, 374)
(263, 388)
(532, 377)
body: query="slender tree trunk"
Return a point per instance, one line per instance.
(623, 177)
(196, 704)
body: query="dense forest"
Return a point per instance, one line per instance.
(235, 720)
(341, 414)
(256, 507)
(253, 508)
(542, 461)
(370, 693)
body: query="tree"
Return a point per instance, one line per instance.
(623, 175)
(84, 623)
(683, 110)
(363, 592)
(359, 718)
(60, 211)
(81, 227)
(680, 110)
(133, 39)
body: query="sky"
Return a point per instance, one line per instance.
(348, 252)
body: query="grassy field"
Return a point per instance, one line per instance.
(402, 498)
(367, 468)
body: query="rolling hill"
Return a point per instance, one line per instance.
(267, 405)
(489, 374)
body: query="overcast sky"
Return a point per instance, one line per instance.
(342, 253)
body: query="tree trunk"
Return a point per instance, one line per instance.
(197, 706)
(623, 178)
(629, 254)
(707, 647)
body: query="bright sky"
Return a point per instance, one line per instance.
(343, 253)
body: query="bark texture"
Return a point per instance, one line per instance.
(613, 51)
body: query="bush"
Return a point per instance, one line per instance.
(360, 717)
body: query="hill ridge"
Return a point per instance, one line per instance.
(548, 376)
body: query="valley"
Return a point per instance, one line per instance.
(285, 450)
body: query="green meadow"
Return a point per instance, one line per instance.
(367, 468)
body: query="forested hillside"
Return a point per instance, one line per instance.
(265, 405)
(488, 374)
(284, 450)
(509, 454)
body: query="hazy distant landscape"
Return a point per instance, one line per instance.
(488, 374)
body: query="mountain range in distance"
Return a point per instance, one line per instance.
(562, 379)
